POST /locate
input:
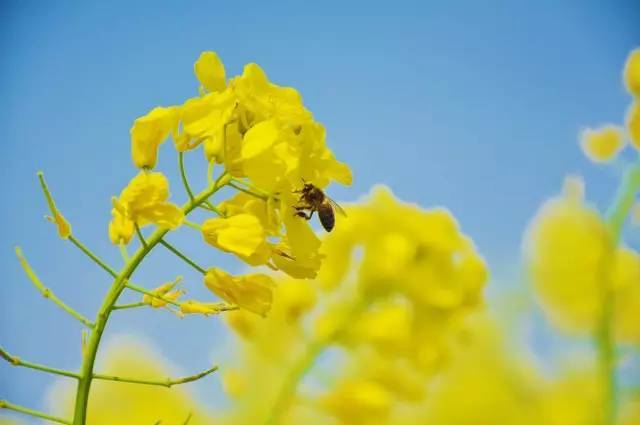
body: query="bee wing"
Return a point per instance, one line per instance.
(335, 205)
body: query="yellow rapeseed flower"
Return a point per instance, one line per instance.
(148, 132)
(240, 234)
(198, 307)
(602, 144)
(209, 70)
(358, 401)
(631, 74)
(143, 201)
(253, 292)
(633, 124)
(166, 292)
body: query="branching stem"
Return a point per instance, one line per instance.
(10, 406)
(17, 361)
(159, 382)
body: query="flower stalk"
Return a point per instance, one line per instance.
(158, 382)
(4, 404)
(17, 361)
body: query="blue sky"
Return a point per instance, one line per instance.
(472, 105)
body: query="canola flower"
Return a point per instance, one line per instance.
(396, 281)
(586, 277)
(261, 144)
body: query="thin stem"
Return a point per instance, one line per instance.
(47, 193)
(159, 382)
(182, 256)
(91, 255)
(303, 364)
(140, 236)
(213, 208)
(210, 172)
(118, 285)
(124, 253)
(145, 291)
(248, 191)
(126, 306)
(193, 225)
(183, 174)
(615, 217)
(16, 361)
(4, 404)
(46, 292)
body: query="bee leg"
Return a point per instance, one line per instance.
(303, 214)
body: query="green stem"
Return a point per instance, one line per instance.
(140, 236)
(145, 291)
(159, 382)
(46, 292)
(182, 256)
(303, 364)
(248, 191)
(127, 306)
(193, 225)
(91, 255)
(4, 404)
(615, 218)
(183, 174)
(119, 283)
(17, 361)
(124, 253)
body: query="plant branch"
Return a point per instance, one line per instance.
(140, 236)
(46, 292)
(17, 361)
(4, 404)
(183, 174)
(127, 306)
(182, 256)
(145, 291)
(248, 191)
(93, 257)
(159, 382)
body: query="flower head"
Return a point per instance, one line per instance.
(253, 292)
(631, 74)
(602, 144)
(142, 202)
(148, 133)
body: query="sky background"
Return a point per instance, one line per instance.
(472, 105)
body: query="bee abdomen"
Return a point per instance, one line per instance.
(327, 219)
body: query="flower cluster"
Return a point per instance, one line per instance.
(395, 284)
(604, 143)
(268, 144)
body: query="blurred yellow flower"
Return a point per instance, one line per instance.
(198, 307)
(210, 72)
(142, 202)
(253, 292)
(633, 123)
(631, 74)
(148, 132)
(358, 401)
(602, 144)
(572, 264)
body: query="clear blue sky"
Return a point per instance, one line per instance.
(471, 105)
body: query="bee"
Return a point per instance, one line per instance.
(313, 199)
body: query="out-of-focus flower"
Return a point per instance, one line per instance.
(198, 307)
(142, 202)
(253, 292)
(358, 401)
(633, 123)
(631, 74)
(602, 144)
(136, 404)
(148, 132)
(573, 263)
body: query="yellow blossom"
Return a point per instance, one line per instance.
(210, 72)
(602, 144)
(566, 251)
(241, 234)
(626, 284)
(166, 292)
(253, 292)
(631, 74)
(633, 124)
(358, 401)
(197, 307)
(148, 132)
(121, 229)
(143, 201)
(64, 228)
